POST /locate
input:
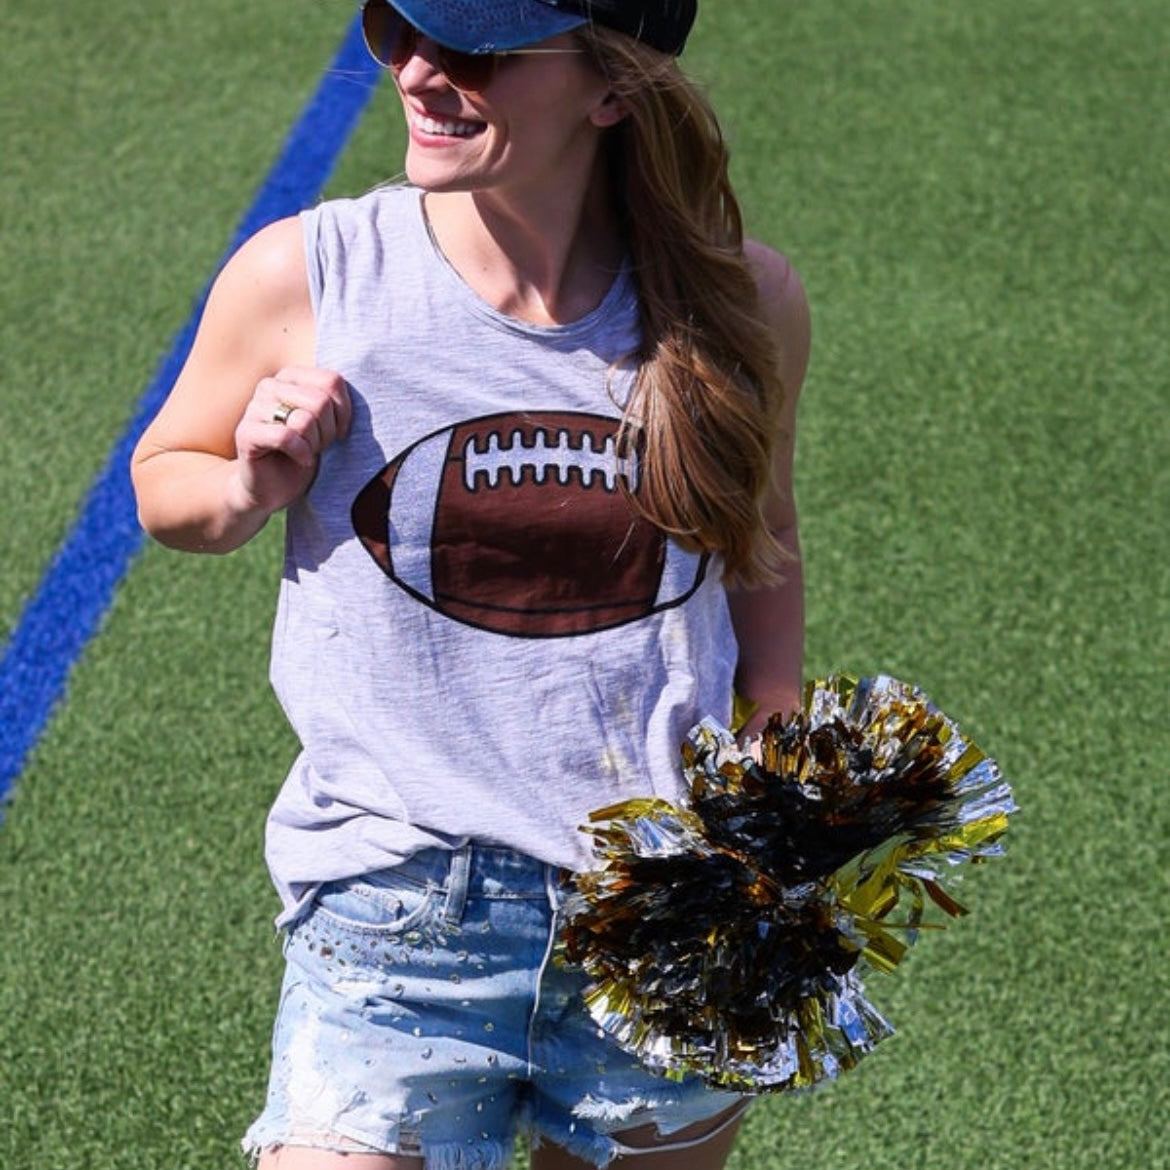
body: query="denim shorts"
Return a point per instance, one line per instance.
(422, 1014)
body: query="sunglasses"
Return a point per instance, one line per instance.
(392, 40)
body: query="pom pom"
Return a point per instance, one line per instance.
(729, 938)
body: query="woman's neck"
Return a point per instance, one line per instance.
(544, 263)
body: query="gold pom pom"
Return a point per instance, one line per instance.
(729, 938)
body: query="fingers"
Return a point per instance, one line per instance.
(298, 412)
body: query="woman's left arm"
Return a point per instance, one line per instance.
(769, 619)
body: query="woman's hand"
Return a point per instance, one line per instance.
(291, 419)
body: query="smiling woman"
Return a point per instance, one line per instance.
(530, 417)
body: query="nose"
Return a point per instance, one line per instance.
(421, 69)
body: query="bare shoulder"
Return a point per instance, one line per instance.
(263, 290)
(783, 300)
(778, 280)
(258, 320)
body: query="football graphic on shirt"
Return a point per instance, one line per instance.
(517, 523)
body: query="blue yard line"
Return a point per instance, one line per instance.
(81, 580)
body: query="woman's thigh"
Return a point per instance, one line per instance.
(305, 1158)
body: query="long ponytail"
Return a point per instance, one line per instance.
(704, 407)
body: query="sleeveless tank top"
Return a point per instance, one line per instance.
(476, 638)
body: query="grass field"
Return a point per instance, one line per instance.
(978, 198)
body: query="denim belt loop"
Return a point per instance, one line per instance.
(458, 882)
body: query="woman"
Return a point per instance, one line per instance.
(531, 417)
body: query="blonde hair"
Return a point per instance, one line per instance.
(703, 411)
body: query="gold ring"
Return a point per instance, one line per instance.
(281, 413)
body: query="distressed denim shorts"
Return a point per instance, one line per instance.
(422, 1014)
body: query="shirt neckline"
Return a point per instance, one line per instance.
(616, 297)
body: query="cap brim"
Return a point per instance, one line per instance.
(473, 26)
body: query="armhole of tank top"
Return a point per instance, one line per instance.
(314, 265)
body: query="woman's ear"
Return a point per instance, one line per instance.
(609, 112)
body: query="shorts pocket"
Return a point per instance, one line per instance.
(385, 902)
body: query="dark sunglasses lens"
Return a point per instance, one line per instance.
(467, 71)
(389, 38)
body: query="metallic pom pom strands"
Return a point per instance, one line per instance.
(729, 938)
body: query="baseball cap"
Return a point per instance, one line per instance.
(485, 26)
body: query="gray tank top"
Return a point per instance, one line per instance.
(476, 638)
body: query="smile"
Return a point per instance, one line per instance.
(445, 127)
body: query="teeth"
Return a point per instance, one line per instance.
(430, 125)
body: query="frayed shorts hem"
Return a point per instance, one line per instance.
(472, 1155)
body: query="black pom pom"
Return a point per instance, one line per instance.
(729, 938)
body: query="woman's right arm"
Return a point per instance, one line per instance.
(216, 463)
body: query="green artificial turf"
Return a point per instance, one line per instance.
(977, 199)
(134, 138)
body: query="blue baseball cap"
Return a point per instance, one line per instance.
(487, 26)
